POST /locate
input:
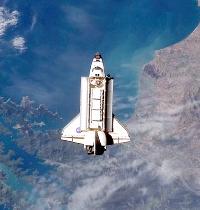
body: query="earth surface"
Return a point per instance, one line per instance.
(45, 47)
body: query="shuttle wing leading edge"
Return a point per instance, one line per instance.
(71, 132)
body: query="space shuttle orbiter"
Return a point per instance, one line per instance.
(96, 126)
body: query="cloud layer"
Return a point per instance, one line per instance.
(7, 19)
(19, 43)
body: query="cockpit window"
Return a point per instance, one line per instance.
(97, 68)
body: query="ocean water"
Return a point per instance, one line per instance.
(11, 179)
(29, 162)
(61, 38)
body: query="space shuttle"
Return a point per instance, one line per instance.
(96, 126)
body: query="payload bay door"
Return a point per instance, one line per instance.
(96, 108)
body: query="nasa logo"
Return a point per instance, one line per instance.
(78, 130)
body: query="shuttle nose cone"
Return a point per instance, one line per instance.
(97, 55)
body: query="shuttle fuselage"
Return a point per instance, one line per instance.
(96, 126)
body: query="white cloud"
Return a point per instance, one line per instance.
(81, 20)
(7, 19)
(19, 43)
(10, 19)
(94, 188)
(167, 172)
(90, 194)
(34, 21)
(78, 17)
